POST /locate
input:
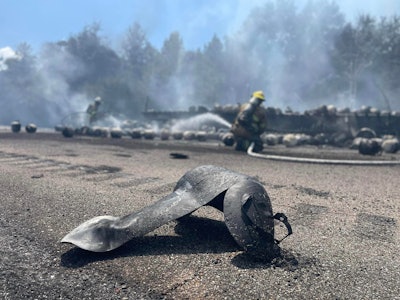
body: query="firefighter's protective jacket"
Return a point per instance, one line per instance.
(250, 122)
(92, 111)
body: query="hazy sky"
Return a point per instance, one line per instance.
(40, 21)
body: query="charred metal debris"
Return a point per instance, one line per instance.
(243, 200)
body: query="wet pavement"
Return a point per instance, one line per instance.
(345, 220)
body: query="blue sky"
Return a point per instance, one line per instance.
(40, 21)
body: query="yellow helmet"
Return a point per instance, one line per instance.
(259, 95)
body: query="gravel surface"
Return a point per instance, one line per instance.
(345, 220)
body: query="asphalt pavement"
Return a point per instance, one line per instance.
(345, 219)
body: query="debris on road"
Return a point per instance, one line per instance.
(243, 200)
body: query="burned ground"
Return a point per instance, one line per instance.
(345, 221)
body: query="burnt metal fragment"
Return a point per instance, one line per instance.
(369, 147)
(201, 136)
(116, 133)
(391, 145)
(164, 134)
(99, 132)
(366, 132)
(37, 176)
(178, 155)
(245, 203)
(136, 134)
(31, 128)
(177, 135)
(15, 126)
(149, 134)
(249, 218)
(189, 135)
(228, 139)
(68, 132)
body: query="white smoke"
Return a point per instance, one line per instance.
(56, 67)
(7, 54)
(41, 94)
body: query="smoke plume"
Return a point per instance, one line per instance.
(39, 92)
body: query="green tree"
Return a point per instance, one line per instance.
(355, 54)
(20, 96)
(169, 87)
(171, 53)
(210, 83)
(285, 51)
(97, 59)
(138, 53)
(388, 63)
(140, 59)
(309, 70)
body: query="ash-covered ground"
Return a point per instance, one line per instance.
(345, 221)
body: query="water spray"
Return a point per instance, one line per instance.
(197, 122)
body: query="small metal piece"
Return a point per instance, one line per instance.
(282, 218)
(68, 132)
(31, 128)
(178, 155)
(15, 126)
(248, 216)
(116, 133)
(369, 147)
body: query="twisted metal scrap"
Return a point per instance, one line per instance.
(245, 203)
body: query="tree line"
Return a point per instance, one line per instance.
(300, 58)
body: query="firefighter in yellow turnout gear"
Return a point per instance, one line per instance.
(93, 110)
(250, 123)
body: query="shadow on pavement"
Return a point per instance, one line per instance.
(195, 235)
